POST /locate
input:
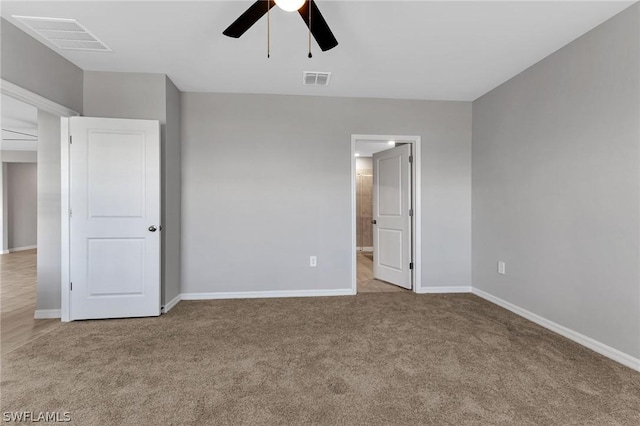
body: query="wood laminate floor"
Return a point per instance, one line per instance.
(366, 282)
(18, 301)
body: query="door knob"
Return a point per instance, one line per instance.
(152, 228)
(373, 222)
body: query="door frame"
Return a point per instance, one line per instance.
(416, 191)
(65, 219)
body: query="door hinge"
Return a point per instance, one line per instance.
(70, 139)
(410, 212)
(70, 213)
(411, 265)
(71, 286)
(411, 158)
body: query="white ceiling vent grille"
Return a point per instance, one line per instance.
(315, 78)
(64, 33)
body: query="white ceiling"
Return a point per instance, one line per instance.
(19, 123)
(390, 49)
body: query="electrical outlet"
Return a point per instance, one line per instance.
(501, 268)
(313, 261)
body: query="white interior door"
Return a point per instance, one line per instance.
(392, 220)
(115, 218)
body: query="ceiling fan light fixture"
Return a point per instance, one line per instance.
(307, 9)
(290, 5)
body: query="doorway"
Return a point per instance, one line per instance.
(41, 271)
(19, 224)
(385, 189)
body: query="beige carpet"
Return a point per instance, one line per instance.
(384, 358)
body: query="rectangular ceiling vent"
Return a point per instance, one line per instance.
(315, 78)
(64, 33)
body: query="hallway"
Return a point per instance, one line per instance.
(366, 282)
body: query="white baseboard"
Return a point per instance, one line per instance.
(605, 350)
(365, 249)
(4, 251)
(46, 313)
(266, 294)
(173, 302)
(12, 250)
(449, 289)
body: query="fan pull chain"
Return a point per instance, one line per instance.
(268, 28)
(309, 3)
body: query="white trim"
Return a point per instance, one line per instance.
(65, 226)
(4, 251)
(24, 95)
(445, 289)
(417, 214)
(11, 250)
(4, 203)
(417, 205)
(596, 346)
(173, 302)
(266, 294)
(46, 313)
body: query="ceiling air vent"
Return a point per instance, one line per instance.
(314, 78)
(64, 33)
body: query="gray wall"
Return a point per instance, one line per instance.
(556, 172)
(172, 193)
(33, 66)
(266, 184)
(22, 203)
(364, 163)
(49, 211)
(19, 156)
(125, 95)
(150, 97)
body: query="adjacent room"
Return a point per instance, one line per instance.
(19, 224)
(320, 212)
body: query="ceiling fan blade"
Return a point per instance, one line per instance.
(248, 18)
(319, 27)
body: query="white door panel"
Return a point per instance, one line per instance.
(389, 256)
(391, 205)
(103, 279)
(115, 161)
(115, 199)
(389, 185)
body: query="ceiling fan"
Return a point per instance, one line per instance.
(307, 9)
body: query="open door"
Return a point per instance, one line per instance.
(392, 216)
(114, 192)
